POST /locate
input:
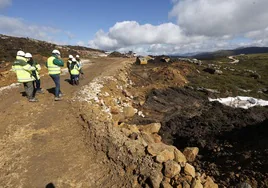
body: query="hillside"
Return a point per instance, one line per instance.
(232, 141)
(40, 50)
(132, 125)
(224, 53)
(10, 45)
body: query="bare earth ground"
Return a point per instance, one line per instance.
(233, 142)
(41, 143)
(92, 137)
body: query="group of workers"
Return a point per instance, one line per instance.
(75, 69)
(27, 71)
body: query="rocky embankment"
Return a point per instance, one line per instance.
(232, 142)
(139, 155)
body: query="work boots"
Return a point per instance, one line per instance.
(33, 100)
(40, 91)
(58, 99)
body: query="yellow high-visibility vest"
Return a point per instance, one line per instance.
(23, 70)
(75, 70)
(38, 68)
(52, 68)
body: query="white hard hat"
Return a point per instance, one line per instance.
(77, 56)
(56, 52)
(28, 55)
(73, 60)
(20, 53)
(70, 56)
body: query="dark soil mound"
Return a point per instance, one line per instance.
(233, 142)
(116, 54)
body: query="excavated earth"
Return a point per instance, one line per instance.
(233, 142)
(101, 134)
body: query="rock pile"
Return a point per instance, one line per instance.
(138, 151)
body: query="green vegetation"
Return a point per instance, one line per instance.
(10, 45)
(249, 77)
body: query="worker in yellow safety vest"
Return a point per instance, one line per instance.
(79, 63)
(35, 73)
(69, 62)
(24, 75)
(54, 64)
(75, 72)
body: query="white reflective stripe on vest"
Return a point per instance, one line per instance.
(25, 79)
(18, 69)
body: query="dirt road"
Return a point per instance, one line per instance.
(41, 144)
(234, 60)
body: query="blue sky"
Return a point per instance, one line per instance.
(155, 27)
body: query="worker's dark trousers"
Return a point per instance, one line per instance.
(75, 79)
(56, 79)
(37, 84)
(29, 89)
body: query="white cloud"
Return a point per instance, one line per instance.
(217, 17)
(258, 37)
(131, 33)
(202, 25)
(103, 41)
(5, 3)
(80, 43)
(18, 27)
(166, 38)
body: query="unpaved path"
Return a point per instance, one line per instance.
(234, 61)
(41, 144)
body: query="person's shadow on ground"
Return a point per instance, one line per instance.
(68, 80)
(23, 93)
(50, 185)
(51, 90)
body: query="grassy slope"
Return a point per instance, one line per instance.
(230, 82)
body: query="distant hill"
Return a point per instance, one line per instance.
(224, 53)
(116, 54)
(10, 45)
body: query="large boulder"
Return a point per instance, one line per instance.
(171, 169)
(148, 138)
(190, 153)
(156, 179)
(165, 156)
(165, 184)
(131, 128)
(179, 156)
(196, 184)
(189, 170)
(185, 184)
(210, 183)
(150, 128)
(156, 148)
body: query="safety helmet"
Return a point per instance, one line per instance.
(70, 56)
(20, 53)
(56, 52)
(77, 56)
(73, 60)
(28, 55)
